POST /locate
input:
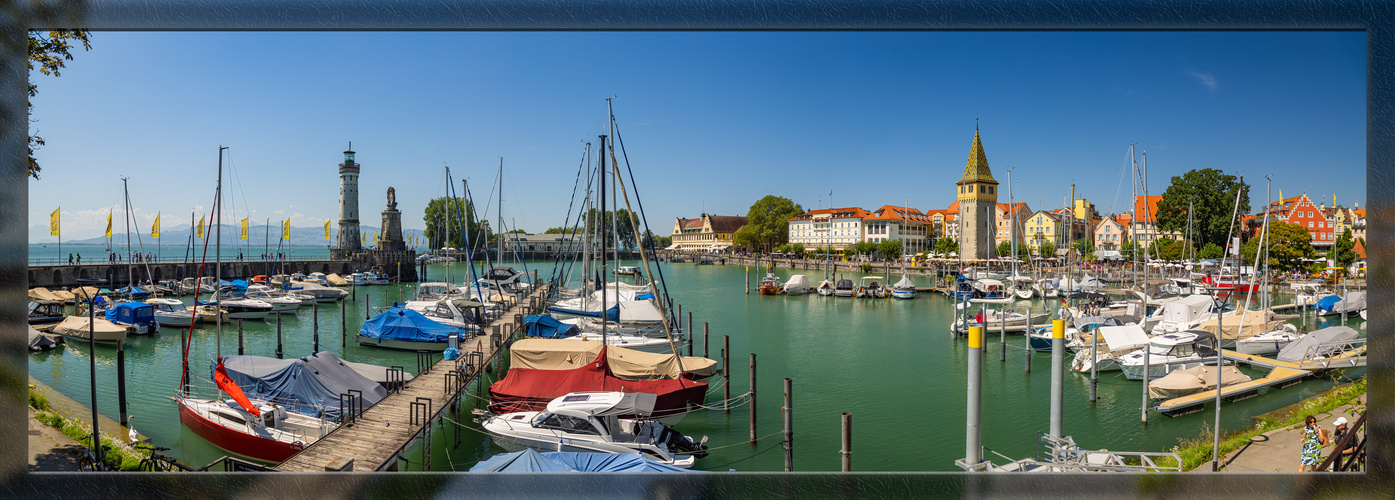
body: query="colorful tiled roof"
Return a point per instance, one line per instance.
(892, 212)
(837, 213)
(726, 223)
(976, 169)
(1151, 215)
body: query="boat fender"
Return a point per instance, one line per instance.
(298, 443)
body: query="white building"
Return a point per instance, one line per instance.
(837, 228)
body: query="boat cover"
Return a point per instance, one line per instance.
(39, 341)
(335, 279)
(1295, 350)
(626, 364)
(63, 295)
(1326, 303)
(400, 323)
(133, 291)
(547, 327)
(1193, 380)
(1120, 337)
(527, 389)
(530, 460)
(131, 313)
(1186, 309)
(1239, 326)
(310, 385)
(77, 326)
(238, 284)
(904, 284)
(1354, 301)
(797, 281)
(42, 293)
(639, 311)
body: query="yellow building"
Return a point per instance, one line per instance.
(709, 233)
(1042, 227)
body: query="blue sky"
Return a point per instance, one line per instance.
(711, 121)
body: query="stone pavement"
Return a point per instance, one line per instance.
(49, 448)
(1278, 450)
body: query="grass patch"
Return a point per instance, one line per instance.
(121, 455)
(1196, 451)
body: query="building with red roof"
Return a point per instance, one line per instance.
(707, 233)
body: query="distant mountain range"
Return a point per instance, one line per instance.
(257, 236)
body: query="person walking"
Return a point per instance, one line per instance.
(1314, 438)
(70, 259)
(79, 259)
(1340, 432)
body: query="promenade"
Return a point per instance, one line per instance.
(1278, 450)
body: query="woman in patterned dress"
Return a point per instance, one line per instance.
(1313, 439)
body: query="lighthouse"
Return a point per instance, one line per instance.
(348, 205)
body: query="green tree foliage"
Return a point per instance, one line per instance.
(768, 222)
(1004, 249)
(1047, 249)
(891, 249)
(617, 221)
(436, 231)
(657, 242)
(48, 50)
(1344, 251)
(797, 248)
(946, 245)
(1084, 247)
(558, 230)
(1211, 251)
(1211, 194)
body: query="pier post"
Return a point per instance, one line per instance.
(343, 323)
(239, 337)
(121, 380)
(972, 452)
(688, 333)
(789, 425)
(366, 300)
(1058, 333)
(1002, 336)
(704, 340)
(1146, 366)
(315, 314)
(1094, 363)
(184, 349)
(847, 442)
(1027, 342)
(726, 373)
(278, 335)
(748, 280)
(92, 360)
(753, 398)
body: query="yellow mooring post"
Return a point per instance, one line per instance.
(1058, 335)
(972, 450)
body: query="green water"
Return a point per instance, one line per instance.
(890, 363)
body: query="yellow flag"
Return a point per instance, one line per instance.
(198, 231)
(375, 236)
(108, 225)
(53, 222)
(363, 238)
(244, 229)
(155, 228)
(286, 229)
(326, 230)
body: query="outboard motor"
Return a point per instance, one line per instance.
(678, 442)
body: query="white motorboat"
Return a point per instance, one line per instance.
(1307, 294)
(1113, 342)
(357, 279)
(1187, 312)
(321, 293)
(1023, 287)
(825, 288)
(1170, 352)
(171, 312)
(844, 288)
(318, 278)
(192, 286)
(989, 288)
(81, 328)
(996, 319)
(904, 289)
(433, 291)
(459, 313)
(1047, 288)
(239, 306)
(373, 278)
(279, 301)
(1269, 343)
(797, 285)
(591, 422)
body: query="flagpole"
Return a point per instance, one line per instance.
(60, 231)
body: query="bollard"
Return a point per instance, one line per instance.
(121, 380)
(239, 336)
(753, 398)
(847, 442)
(278, 334)
(789, 425)
(1058, 333)
(972, 450)
(1146, 366)
(726, 373)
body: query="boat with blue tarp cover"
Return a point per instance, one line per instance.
(402, 328)
(139, 317)
(530, 460)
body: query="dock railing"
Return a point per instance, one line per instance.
(1345, 354)
(1064, 452)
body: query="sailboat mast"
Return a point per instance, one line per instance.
(500, 236)
(218, 251)
(604, 268)
(130, 276)
(1133, 214)
(446, 242)
(1012, 221)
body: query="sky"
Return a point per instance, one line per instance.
(710, 121)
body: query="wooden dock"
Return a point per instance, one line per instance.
(1281, 374)
(375, 438)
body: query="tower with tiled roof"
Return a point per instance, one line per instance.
(978, 198)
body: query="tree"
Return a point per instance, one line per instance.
(1128, 250)
(49, 50)
(891, 249)
(657, 242)
(1084, 246)
(1208, 195)
(945, 246)
(1211, 251)
(1046, 249)
(1005, 249)
(436, 230)
(1343, 251)
(768, 221)
(558, 230)
(797, 248)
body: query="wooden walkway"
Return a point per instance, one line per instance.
(1281, 374)
(374, 439)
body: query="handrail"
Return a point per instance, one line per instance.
(1336, 455)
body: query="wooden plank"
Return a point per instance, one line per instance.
(1277, 376)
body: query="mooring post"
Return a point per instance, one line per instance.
(726, 373)
(748, 280)
(184, 349)
(789, 425)
(983, 321)
(1058, 333)
(1002, 337)
(704, 340)
(278, 335)
(1094, 361)
(121, 379)
(1146, 364)
(847, 442)
(239, 336)
(343, 323)
(315, 315)
(92, 363)
(753, 398)
(972, 451)
(367, 315)
(1027, 342)
(688, 333)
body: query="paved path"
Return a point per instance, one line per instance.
(1278, 450)
(49, 448)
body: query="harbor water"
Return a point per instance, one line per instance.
(891, 363)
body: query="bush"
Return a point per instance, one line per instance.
(37, 399)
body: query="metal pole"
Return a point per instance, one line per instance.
(847, 442)
(366, 300)
(704, 339)
(1027, 342)
(121, 380)
(1216, 450)
(1058, 334)
(315, 315)
(748, 280)
(239, 337)
(343, 323)
(1002, 336)
(92, 361)
(1094, 364)
(972, 450)
(789, 426)
(1146, 365)
(753, 398)
(278, 335)
(726, 373)
(688, 332)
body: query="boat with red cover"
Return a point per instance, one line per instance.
(529, 389)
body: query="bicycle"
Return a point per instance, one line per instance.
(159, 462)
(88, 462)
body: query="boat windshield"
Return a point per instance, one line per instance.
(1159, 350)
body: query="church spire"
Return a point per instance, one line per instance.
(976, 169)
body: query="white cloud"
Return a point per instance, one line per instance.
(1206, 79)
